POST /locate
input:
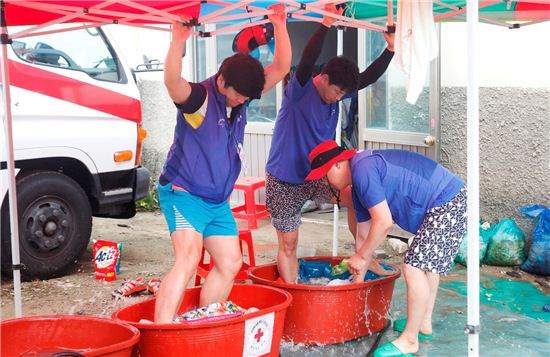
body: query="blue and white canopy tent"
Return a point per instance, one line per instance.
(40, 15)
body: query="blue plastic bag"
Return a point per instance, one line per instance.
(538, 259)
(373, 276)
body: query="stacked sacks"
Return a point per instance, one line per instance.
(502, 244)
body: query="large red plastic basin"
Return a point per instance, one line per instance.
(87, 335)
(322, 315)
(218, 338)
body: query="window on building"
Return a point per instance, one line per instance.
(262, 110)
(387, 108)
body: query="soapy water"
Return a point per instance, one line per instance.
(318, 272)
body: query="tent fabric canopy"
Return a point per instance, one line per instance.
(527, 10)
(150, 13)
(366, 14)
(39, 12)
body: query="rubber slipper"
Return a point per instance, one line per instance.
(130, 287)
(399, 326)
(153, 286)
(390, 350)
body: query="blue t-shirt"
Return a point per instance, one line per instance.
(204, 158)
(409, 182)
(304, 122)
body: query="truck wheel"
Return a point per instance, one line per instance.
(55, 223)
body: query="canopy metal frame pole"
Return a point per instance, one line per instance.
(336, 212)
(472, 327)
(7, 119)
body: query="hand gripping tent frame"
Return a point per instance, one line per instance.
(40, 15)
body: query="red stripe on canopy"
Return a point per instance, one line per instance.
(19, 13)
(532, 11)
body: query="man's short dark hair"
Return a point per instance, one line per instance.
(343, 73)
(244, 73)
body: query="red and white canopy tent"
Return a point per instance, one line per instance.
(362, 14)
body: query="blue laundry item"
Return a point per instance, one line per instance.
(308, 269)
(373, 276)
(312, 268)
(538, 259)
(547, 308)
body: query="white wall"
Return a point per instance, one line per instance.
(508, 58)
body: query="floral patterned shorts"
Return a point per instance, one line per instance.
(285, 200)
(436, 243)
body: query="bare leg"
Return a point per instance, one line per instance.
(433, 281)
(228, 260)
(418, 299)
(187, 248)
(287, 262)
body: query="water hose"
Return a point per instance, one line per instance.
(377, 340)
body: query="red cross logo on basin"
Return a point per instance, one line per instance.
(258, 335)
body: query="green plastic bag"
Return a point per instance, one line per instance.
(484, 234)
(506, 246)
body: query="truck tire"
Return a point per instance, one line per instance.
(55, 224)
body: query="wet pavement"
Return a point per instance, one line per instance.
(508, 327)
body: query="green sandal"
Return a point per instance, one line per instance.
(390, 350)
(399, 326)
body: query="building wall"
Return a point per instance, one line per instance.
(159, 119)
(514, 117)
(514, 147)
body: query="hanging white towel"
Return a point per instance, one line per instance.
(415, 43)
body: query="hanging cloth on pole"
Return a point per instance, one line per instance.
(415, 43)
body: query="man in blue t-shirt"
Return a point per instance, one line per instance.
(308, 116)
(421, 197)
(204, 162)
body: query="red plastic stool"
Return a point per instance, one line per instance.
(204, 267)
(251, 211)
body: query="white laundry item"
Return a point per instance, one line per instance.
(339, 282)
(415, 43)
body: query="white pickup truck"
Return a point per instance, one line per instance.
(77, 141)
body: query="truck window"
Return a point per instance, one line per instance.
(83, 50)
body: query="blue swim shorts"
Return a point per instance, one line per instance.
(183, 210)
